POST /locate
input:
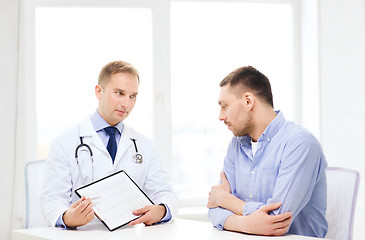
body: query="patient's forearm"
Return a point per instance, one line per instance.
(235, 223)
(232, 203)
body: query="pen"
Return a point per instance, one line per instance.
(94, 198)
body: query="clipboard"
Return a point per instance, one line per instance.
(115, 197)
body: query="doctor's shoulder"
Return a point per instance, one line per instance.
(142, 141)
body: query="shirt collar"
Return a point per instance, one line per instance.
(270, 130)
(273, 127)
(99, 123)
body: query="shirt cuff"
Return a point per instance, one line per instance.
(167, 216)
(61, 224)
(251, 207)
(218, 216)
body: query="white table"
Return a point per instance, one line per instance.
(178, 229)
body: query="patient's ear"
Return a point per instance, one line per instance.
(248, 100)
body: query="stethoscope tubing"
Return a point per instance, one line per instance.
(82, 144)
(138, 158)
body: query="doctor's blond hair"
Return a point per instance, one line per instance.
(116, 67)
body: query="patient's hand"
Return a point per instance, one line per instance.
(260, 222)
(219, 192)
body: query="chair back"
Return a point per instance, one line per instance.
(33, 176)
(342, 190)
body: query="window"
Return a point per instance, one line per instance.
(213, 40)
(206, 41)
(72, 45)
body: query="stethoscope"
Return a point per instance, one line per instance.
(88, 148)
(138, 158)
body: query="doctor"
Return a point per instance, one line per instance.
(101, 145)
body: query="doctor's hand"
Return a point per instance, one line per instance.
(150, 214)
(80, 213)
(219, 192)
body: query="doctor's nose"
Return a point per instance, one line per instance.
(125, 102)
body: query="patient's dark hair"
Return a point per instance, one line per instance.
(250, 79)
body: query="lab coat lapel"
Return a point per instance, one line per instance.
(124, 143)
(90, 136)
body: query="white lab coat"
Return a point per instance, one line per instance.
(62, 176)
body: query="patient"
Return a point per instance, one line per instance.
(273, 180)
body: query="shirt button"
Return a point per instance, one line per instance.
(268, 139)
(252, 172)
(250, 195)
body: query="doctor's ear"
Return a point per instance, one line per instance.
(98, 90)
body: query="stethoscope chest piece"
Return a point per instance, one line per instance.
(138, 158)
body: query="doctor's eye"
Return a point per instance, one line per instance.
(133, 96)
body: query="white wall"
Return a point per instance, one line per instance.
(8, 108)
(342, 77)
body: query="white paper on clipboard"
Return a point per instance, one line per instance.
(116, 196)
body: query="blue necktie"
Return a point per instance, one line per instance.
(112, 143)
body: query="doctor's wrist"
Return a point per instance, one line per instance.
(61, 224)
(167, 216)
(65, 221)
(163, 205)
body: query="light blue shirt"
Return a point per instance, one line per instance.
(288, 167)
(99, 124)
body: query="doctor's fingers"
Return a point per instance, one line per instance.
(142, 210)
(89, 216)
(87, 211)
(78, 202)
(82, 220)
(85, 217)
(146, 219)
(137, 221)
(86, 205)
